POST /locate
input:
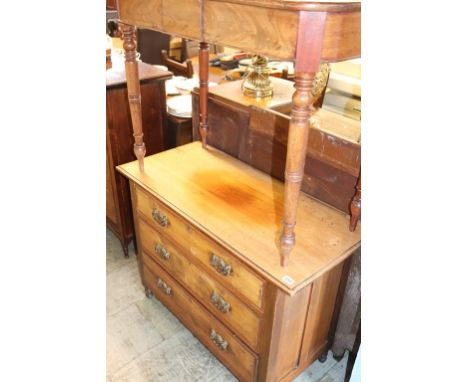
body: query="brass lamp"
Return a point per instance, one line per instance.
(256, 82)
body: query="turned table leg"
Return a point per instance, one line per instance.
(203, 62)
(297, 145)
(355, 206)
(133, 88)
(309, 49)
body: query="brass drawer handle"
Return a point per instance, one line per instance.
(219, 302)
(164, 287)
(162, 252)
(220, 265)
(218, 340)
(160, 218)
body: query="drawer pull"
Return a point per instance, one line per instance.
(218, 340)
(219, 302)
(162, 252)
(220, 265)
(164, 287)
(160, 218)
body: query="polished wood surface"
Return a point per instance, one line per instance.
(242, 208)
(201, 248)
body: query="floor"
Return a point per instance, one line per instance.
(146, 343)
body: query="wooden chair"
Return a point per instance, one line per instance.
(150, 44)
(179, 69)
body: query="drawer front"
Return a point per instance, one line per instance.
(221, 302)
(213, 334)
(223, 266)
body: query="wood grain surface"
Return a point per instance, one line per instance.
(239, 317)
(242, 209)
(238, 358)
(242, 279)
(253, 29)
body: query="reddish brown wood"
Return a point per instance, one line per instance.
(308, 51)
(203, 75)
(179, 69)
(355, 206)
(133, 85)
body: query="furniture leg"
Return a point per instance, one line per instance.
(134, 95)
(323, 357)
(355, 206)
(310, 33)
(203, 62)
(297, 137)
(148, 292)
(125, 248)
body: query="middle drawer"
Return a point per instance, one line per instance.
(221, 302)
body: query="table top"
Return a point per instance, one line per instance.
(242, 208)
(275, 28)
(323, 5)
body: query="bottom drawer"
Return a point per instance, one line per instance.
(214, 335)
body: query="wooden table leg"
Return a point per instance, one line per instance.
(309, 48)
(203, 62)
(133, 88)
(297, 145)
(355, 206)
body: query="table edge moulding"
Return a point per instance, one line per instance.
(306, 32)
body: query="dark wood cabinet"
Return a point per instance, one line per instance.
(119, 140)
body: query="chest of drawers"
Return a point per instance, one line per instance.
(208, 228)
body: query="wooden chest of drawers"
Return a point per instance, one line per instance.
(208, 228)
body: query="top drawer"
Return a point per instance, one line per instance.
(225, 267)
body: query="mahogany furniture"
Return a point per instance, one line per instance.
(206, 229)
(119, 140)
(304, 31)
(178, 68)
